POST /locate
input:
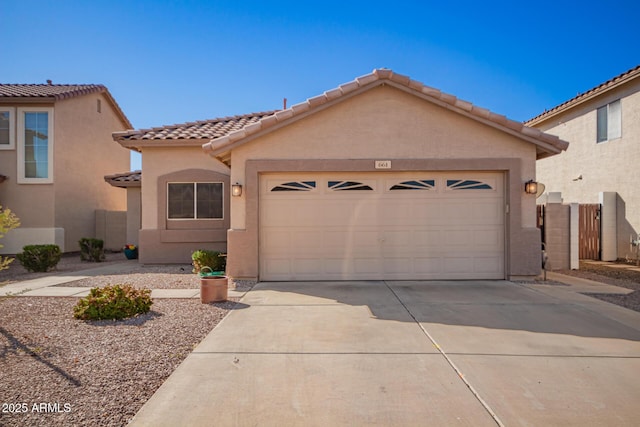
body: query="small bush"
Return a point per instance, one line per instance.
(8, 221)
(91, 250)
(113, 302)
(205, 258)
(39, 258)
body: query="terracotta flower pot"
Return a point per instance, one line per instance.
(213, 289)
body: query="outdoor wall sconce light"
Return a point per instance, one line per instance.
(236, 190)
(531, 187)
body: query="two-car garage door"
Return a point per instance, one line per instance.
(376, 226)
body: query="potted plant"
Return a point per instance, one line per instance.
(210, 266)
(130, 251)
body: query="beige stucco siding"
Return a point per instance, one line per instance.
(84, 153)
(386, 123)
(158, 161)
(382, 123)
(607, 166)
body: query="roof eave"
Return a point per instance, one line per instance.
(139, 144)
(608, 86)
(546, 145)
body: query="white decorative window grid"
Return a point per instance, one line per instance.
(348, 186)
(295, 186)
(416, 184)
(609, 122)
(467, 184)
(35, 145)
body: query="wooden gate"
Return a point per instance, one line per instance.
(589, 232)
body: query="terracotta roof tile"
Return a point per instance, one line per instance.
(126, 179)
(48, 90)
(57, 92)
(205, 129)
(617, 80)
(547, 144)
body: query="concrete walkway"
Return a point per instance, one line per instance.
(49, 286)
(476, 353)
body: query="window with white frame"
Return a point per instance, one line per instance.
(7, 128)
(35, 145)
(609, 122)
(195, 200)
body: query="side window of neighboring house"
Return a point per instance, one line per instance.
(7, 128)
(195, 200)
(35, 145)
(609, 122)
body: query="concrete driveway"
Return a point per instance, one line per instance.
(406, 354)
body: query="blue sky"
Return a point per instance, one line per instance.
(171, 62)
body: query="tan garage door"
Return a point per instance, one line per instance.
(376, 226)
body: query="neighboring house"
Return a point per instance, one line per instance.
(603, 127)
(380, 178)
(55, 148)
(132, 182)
(182, 204)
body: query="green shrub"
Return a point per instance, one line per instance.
(8, 221)
(205, 258)
(39, 258)
(91, 250)
(113, 302)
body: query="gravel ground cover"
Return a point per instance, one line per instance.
(623, 277)
(59, 371)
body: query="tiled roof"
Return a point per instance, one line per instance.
(546, 144)
(609, 84)
(57, 92)
(47, 90)
(126, 179)
(201, 130)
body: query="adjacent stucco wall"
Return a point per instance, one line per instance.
(84, 152)
(557, 229)
(610, 166)
(159, 241)
(134, 214)
(385, 124)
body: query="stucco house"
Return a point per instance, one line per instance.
(180, 203)
(603, 127)
(380, 178)
(55, 148)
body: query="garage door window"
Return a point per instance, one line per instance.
(195, 200)
(295, 186)
(428, 184)
(348, 186)
(458, 184)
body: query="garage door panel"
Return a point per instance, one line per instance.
(435, 233)
(489, 264)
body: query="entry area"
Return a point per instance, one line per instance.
(382, 226)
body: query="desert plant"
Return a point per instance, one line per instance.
(217, 261)
(39, 258)
(91, 250)
(113, 302)
(8, 221)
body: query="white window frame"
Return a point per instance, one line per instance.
(21, 169)
(12, 128)
(195, 201)
(614, 127)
